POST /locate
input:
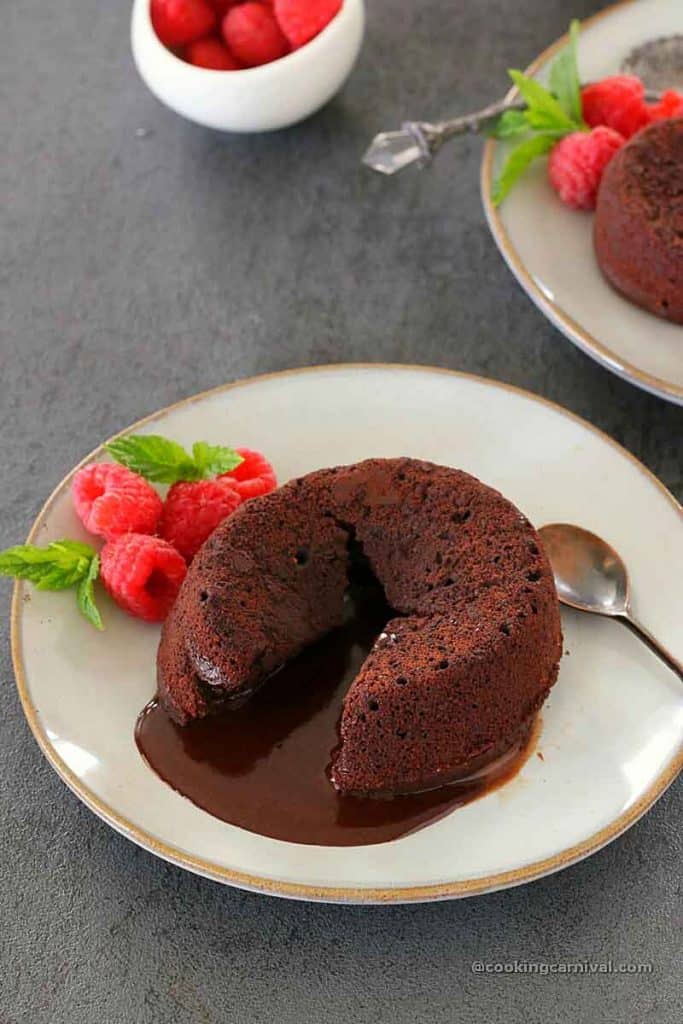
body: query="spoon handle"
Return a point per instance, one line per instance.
(667, 657)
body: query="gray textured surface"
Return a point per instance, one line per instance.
(142, 269)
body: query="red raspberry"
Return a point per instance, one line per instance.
(253, 34)
(617, 102)
(211, 53)
(577, 162)
(143, 574)
(670, 104)
(301, 20)
(111, 500)
(254, 476)
(221, 7)
(179, 22)
(192, 511)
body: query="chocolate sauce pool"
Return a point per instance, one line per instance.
(264, 766)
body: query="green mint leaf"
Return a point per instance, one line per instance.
(544, 113)
(85, 594)
(166, 462)
(564, 77)
(517, 162)
(154, 457)
(60, 565)
(212, 460)
(509, 124)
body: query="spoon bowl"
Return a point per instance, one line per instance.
(592, 577)
(589, 574)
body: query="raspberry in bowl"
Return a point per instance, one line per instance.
(248, 66)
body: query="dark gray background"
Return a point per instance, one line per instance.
(139, 270)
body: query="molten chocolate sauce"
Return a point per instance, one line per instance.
(264, 766)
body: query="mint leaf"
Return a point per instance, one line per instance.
(166, 462)
(212, 460)
(509, 124)
(154, 457)
(564, 77)
(60, 565)
(85, 594)
(549, 116)
(70, 549)
(543, 112)
(518, 161)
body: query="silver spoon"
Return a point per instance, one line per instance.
(659, 64)
(590, 576)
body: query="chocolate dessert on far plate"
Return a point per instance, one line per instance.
(459, 671)
(639, 220)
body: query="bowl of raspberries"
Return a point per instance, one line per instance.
(246, 65)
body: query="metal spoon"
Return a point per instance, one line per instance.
(658, 63)
(590, 576)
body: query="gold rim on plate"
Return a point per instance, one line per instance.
(573, 330)
(422, 893)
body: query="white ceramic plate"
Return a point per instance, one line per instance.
(612, 734)
(549, 247)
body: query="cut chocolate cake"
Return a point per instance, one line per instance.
(455, 677)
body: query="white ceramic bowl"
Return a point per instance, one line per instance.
(256, 99)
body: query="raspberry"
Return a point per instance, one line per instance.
(301, 20)
(577, 162)
(617, 102)
(143, 574)
(253, 34)
(211, 53)
(192, 511)
(255, 488)
(670, 104)
(111, 500)
(179, 22)
(221, 7)
(253, 477)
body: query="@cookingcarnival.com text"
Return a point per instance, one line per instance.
(548, 967)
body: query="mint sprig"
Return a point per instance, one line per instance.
(213, 459)
(163, 461)
(59, 566)
(549, 115)
(564, 76)
(509, 124)
(85, 594)
(543, 112)
(518, 161)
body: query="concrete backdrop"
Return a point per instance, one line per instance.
(142, 266)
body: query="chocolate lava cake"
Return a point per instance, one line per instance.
(454, 679)
(639, 220)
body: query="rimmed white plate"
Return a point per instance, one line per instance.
(612, 734)
(549, 247)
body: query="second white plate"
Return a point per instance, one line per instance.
(549, 248)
